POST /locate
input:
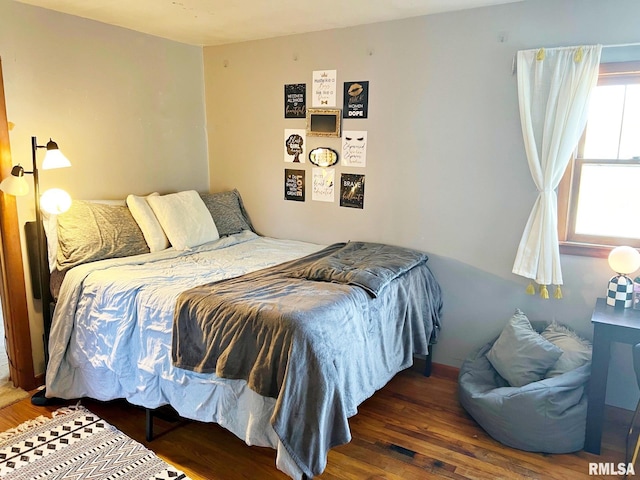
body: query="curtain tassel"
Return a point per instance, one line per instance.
(544, 293)
(558, 293)
(531, 290)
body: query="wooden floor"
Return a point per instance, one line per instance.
(413, 429)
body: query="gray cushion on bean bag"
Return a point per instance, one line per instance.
(576, 351)
(520, 354)
(544, 416)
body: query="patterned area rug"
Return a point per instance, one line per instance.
(76, 444)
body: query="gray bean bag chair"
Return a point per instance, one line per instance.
(547, 415)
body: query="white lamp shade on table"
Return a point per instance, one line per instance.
(622, 260)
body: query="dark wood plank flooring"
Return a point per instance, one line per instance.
(412, 429)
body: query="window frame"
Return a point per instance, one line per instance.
(615, 73)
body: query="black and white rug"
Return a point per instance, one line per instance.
(76, 444)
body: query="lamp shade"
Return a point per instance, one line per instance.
(15, 184)
(55, 201)
(54, 157)
(624, 260)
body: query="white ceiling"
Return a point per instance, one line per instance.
(216, 22)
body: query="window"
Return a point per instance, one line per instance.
(599, 195)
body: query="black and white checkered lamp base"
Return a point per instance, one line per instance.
(620, 293)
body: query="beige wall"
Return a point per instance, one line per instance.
(446, 170)
(127, 109)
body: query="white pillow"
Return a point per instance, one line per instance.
(185, 219)
(147, 221)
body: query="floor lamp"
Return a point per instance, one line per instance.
(54, 201)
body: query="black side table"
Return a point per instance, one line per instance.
(609, 325)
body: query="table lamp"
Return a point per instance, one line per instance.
(623, 261)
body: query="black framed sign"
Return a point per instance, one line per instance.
(294, 185)
(356, 99)
(352, 190)
(295, 100)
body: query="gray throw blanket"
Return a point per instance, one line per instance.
(319, 348)
(368, 265)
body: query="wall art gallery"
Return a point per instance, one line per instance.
(323, 122)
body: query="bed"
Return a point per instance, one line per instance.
(276, 340)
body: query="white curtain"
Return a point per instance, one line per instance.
(554, 86)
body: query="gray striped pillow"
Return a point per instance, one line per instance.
(227, 211)
(93, 231)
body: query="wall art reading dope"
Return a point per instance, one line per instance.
(295, 100)
(356, 100)
(352, 190)
(294, 185)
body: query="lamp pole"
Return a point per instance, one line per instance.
(42, 253)
(40, 274)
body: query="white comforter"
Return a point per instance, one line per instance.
(111, 334)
